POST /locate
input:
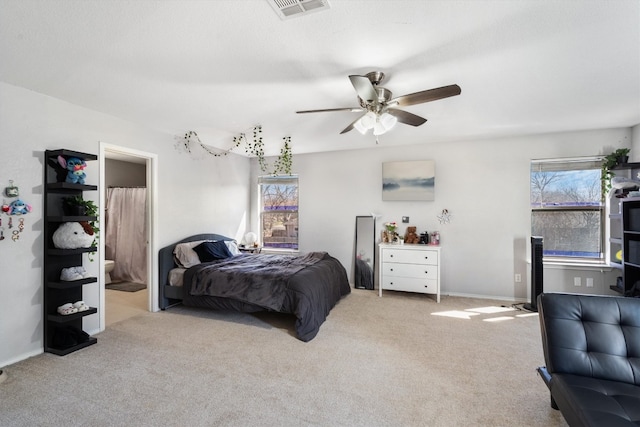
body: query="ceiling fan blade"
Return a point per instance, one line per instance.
(426, 96)
(364, 88)
(406, 117)
(352, 109)
(351, 126)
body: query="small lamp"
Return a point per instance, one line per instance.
(251, 239)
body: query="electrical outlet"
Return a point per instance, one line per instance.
(518, 278)
(577, 281)
(589, 283)
(405, 220)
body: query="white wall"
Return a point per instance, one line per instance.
(483, 184)
(194, 196)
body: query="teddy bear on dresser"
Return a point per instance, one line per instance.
(411, 236)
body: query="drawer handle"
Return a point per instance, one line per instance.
(391, 256)
(426, 286)
(426, 272)
(391, 269)
(426, 257)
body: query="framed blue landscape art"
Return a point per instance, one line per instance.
(411, 180)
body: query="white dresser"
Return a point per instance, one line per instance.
(410, 268)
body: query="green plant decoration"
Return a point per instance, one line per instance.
(255, 148)
(281, 166)
(283, 163)
(610, 161)
(191, 137)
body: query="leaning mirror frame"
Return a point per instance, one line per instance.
(365, 252)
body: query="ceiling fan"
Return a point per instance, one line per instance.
(378, 106)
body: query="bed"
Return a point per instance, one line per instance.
(307, 286)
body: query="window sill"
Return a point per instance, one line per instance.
(577, 266)
(279, 251)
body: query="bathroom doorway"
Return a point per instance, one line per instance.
(127, 234)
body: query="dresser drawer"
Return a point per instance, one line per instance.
(410, 256)
(405, 284)
(424, 271)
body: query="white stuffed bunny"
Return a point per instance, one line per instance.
(73, 235)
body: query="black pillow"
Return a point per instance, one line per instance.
(211, 251)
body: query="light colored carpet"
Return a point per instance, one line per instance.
(390, 361)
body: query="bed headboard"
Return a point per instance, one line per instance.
(166, 263)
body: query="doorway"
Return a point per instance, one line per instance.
(126, 304)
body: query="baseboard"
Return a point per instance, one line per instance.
(93, 332)
(20, 358)
(493, 297)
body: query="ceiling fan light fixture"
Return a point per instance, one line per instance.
(368, 120)
(378, 105)
(379, 129)
(358, 126)
(388, 121)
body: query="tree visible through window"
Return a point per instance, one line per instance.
(279, 211)
(566, 208)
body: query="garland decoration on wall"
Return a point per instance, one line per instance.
(284, 160)
(191, 138)
(281, 166)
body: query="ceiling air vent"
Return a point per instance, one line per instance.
(291, 8)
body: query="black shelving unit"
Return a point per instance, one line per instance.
(630, 211)
(616, 227)
(57, 292)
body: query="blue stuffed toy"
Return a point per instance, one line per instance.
(18, 207)
(75, 168)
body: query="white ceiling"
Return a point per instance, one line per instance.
(219, 67)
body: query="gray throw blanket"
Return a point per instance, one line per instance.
(256, 279)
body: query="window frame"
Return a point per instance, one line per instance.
(566, 164)
(285, 180)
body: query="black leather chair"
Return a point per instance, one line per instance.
(592, 353)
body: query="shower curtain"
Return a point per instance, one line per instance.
(125, 233)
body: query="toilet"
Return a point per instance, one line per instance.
(108, 268)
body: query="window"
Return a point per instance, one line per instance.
(279, 211)
(567, 208)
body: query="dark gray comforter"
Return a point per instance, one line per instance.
(306, 286)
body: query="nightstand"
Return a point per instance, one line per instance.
(250, 249)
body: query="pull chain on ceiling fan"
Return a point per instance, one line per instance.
(378, 106)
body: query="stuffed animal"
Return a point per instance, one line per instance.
(75, 167)
(18, 207)
(73, 235)
(411, 236)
